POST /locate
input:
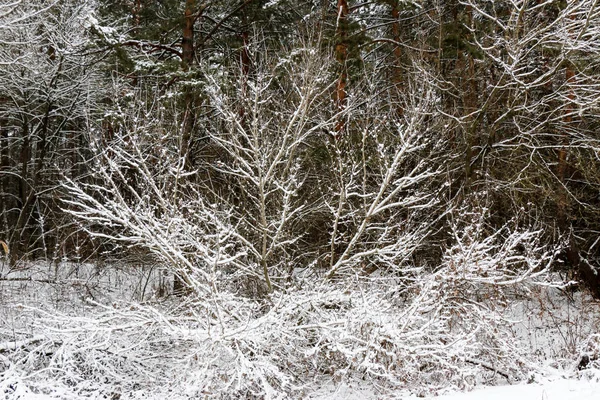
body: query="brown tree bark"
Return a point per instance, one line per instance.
(245, 64)
(397, 75)
(180, 286)
(563, 151)
(187, 42)
(341, 56)
(6, 186)
(18, 236)
(187, 60)
(470, 102)
(397, 67)
(137, 10)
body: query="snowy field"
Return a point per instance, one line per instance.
(562, 389)
(581, 386)
(559, 389)
(73, 331)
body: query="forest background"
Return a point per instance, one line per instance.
(319, 188)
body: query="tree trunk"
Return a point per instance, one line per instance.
(18, 235)
(397, 72)
(341, 56)
(180, 286)
(245, 63)
(187, 43)
(562, 154)
(470, 106)
(397, 67)
(6, 191)
(187, 59)
(137, 10)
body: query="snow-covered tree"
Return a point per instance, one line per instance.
(47, 86)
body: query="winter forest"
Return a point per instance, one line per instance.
(297, 199)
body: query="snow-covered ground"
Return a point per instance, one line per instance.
(79, 331)
(561, 389)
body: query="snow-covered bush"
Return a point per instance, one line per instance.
(230, 215)
(426, 330)
(274, 310)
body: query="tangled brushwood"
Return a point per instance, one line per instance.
(421, 331)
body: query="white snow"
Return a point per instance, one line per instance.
(563, 389)
(551, 389)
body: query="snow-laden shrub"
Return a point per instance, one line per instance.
(433, 328)
(423, 337)
(422, 330)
